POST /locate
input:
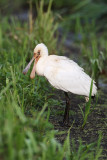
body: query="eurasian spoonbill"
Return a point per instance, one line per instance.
(62, 73)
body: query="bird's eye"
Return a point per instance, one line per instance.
(38, 52)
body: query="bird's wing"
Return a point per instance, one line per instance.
(68, 76)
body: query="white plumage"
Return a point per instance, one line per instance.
(61, 72)
(66, 75)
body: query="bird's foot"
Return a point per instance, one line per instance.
(64, 124)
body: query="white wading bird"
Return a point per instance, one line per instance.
(62, 73)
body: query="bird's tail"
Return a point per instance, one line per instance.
(94, 89)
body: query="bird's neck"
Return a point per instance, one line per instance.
(40, 67)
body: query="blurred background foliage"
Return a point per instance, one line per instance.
(25, 131)
(71, 9)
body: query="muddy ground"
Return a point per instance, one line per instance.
(96, 122)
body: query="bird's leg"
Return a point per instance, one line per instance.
(66, 113)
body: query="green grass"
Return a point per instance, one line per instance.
(93, 47)
(45, 27)
(88, 110)
(83, 152)
(25, 130)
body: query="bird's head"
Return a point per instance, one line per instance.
(39, 51)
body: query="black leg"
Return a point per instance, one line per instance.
(66, 113)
